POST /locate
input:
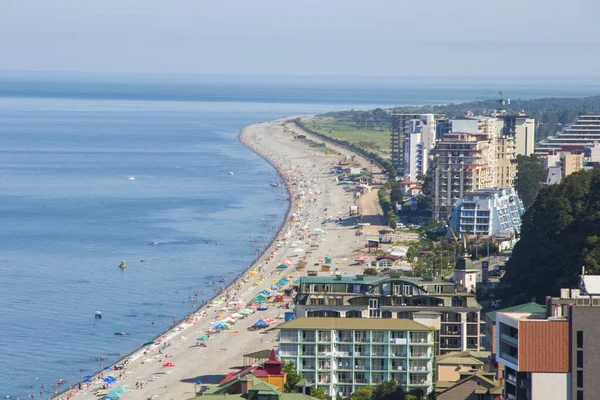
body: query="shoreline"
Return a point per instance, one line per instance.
(291, 203)
(313, 196)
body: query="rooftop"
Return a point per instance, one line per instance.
(464, 357)
(530, 307)
(354, 323)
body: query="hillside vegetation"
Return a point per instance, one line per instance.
(560, 234)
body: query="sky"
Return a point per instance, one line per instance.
(303, 37)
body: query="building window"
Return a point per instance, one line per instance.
(580, 359)
(580, 339)
(579, 379)
(580, 395)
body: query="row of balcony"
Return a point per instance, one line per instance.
(356, 354)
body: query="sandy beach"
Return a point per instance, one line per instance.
(306, 172)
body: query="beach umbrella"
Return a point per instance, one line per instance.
(362, 258)
(282, 266)
(88, 377)
(261, 324)
(169, 364)
(205, 337)
(120, 389)
(149, 342)
(107, 368)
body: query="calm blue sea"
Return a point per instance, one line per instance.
(69, 214)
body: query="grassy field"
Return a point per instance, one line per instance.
(369, 139)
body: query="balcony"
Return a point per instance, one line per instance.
(509, 339)
(510, 358)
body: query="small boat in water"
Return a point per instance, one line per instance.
(275, 184)
(98, 315)
(120, 333)
(123, 265)
(231, 173)
(131, 178)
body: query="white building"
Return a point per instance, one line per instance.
(413, 135)
(342, 355)
(584, 132)
(490, 212)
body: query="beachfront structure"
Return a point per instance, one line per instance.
(455, 311)
(412, 137)
(488, 212)
(341, 355)
(584, 132)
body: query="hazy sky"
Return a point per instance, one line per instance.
(326, 37)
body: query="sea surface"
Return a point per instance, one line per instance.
(69, 212)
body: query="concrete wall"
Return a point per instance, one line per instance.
(585, 319)
(550, 386)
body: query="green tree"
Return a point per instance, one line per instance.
(364, 393)
(319, 393)
(292, 377)
(560, 233)
(390, 390)
(371, 272)
(529, 175)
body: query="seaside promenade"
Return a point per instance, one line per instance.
(313, 189)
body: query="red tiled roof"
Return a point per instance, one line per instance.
(232, 375)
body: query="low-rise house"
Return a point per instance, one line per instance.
(477, 385)
(452, 365)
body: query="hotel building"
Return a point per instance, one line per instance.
(584, 132)
(341, 355)
(488, 212)
(450, 306)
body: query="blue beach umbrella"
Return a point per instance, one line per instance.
(88, 377)
(107, 368)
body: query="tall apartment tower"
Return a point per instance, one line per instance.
(412, 137)
(474, 155)
(463, 163)
(522, 130)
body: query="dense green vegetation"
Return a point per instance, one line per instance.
(390, 390)
(529, 175)
(560, 234)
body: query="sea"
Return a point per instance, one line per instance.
(95, 170)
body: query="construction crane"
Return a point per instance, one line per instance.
(501, 100)
(454, 237)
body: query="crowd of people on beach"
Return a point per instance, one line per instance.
(304, 187)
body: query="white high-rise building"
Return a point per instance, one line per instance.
(420, 139)
(413, 136)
